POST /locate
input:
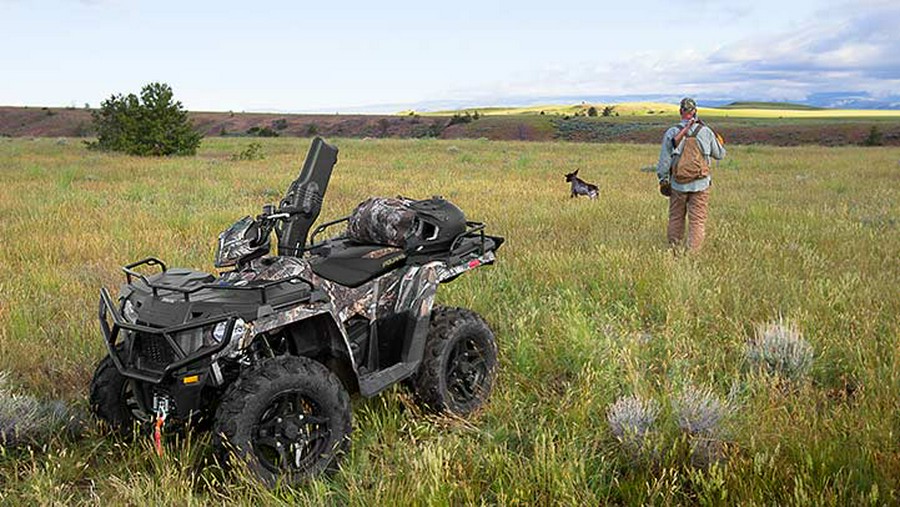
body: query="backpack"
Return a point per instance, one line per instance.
(691, 164)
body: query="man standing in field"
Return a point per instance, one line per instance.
(683, 172)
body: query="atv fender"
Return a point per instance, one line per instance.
(320, 315)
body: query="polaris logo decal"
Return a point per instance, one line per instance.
(393, 260)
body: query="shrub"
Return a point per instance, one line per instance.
(699, 411)
(383, 126)
(592, 111)
(154, 124)
(312, 129)
(280, 124)
(435, 129)
(609, 110)
(262, 132)
(252, 152)
(83, 129)
(874, 138)
(779, 349)
(25, 419)
(458, 118)
(630, 420)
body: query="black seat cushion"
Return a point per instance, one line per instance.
(351, 264)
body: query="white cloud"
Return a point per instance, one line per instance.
(853, 47)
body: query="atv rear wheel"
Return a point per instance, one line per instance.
(113, 400)
(457, 372)
(288, 419)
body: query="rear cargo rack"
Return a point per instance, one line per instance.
(471, 229)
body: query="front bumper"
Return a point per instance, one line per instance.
(126, 359)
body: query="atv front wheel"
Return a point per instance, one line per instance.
(457, 372)
(113, 398)
(288, 419)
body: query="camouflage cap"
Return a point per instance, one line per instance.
(688, 104)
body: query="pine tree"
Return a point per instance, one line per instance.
(154, 124)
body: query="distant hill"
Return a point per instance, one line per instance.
(72, 122)
(854, 100)
(650, 110)
(635, 122)
(770, 105)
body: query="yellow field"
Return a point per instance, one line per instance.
(656, 108)
(587, 302)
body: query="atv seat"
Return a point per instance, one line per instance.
(352, 264)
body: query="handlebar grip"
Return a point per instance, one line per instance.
(290, 209)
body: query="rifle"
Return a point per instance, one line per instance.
(683, 132)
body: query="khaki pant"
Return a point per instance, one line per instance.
(694, 205)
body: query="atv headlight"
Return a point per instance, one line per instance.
(129, 312)
(218, 332)
(190, 341)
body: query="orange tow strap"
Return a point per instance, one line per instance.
(157, 434)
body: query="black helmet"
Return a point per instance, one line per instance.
(436, 224)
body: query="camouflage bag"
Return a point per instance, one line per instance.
(382, 220)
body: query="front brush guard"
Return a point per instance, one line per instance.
(111, 322)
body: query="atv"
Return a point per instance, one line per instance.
(268, 352)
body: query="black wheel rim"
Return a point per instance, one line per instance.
(467, 371)
(292, 434)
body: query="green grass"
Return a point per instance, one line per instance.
(769, 105)
(586, 301)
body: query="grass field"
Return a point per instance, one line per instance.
(738, 110)
(587, 303)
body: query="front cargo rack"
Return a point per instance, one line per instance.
(131, 274)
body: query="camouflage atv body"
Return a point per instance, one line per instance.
(270, 351)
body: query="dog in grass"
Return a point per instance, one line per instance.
(581, 187)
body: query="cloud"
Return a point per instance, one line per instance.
(862, 43)
(849, 47)
(853, 48)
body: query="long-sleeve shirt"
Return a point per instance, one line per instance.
(708, 145)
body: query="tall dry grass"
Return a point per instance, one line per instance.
(587, 303)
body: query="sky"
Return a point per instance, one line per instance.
(284, 56)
